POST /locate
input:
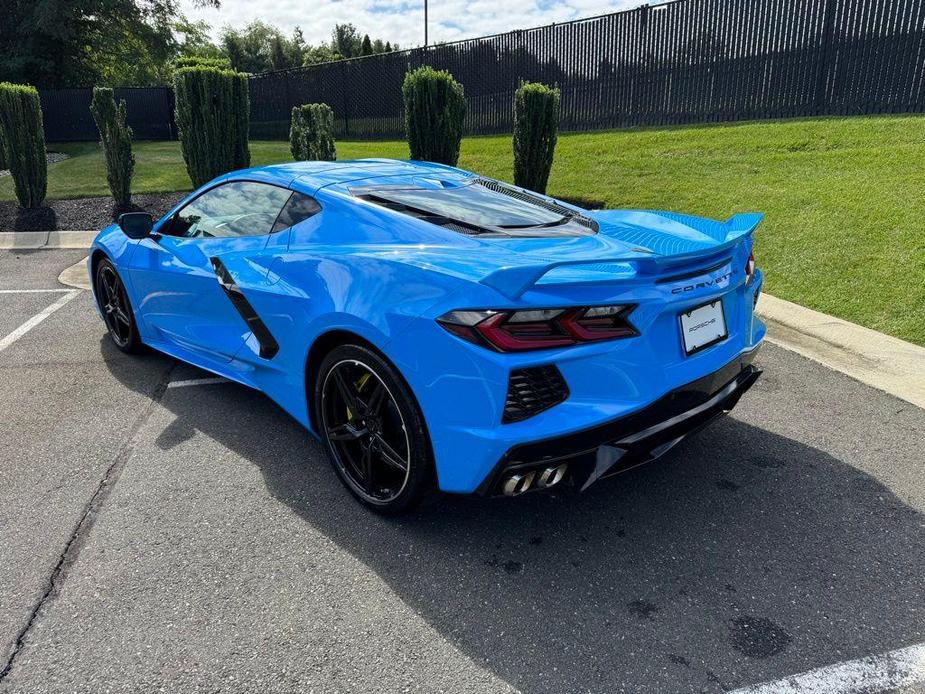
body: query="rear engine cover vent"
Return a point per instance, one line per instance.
(533, 390)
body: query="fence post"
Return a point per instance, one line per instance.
(822, 72)
(345, 100)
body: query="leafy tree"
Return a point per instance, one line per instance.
(193, 39)
(260, 47)
(56, 43)
(320, 54)
(345, 39)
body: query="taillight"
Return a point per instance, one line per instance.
(517, 331)
(750, 267)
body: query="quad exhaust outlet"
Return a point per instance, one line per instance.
(544, 478)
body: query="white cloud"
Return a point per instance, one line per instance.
(403, 20)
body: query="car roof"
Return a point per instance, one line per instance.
(309, 176)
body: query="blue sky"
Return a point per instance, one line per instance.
(402, 20)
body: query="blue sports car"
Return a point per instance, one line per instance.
(441, 330)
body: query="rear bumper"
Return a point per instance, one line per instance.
(620, 444)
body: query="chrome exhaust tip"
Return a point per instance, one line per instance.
(551, 476)
(518, 483)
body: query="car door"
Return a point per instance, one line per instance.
(180, 276)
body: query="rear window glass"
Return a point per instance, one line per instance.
(482, 206)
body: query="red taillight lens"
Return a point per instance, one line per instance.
(517, 331)
(750, 267)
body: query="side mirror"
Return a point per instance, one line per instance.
(136, 225)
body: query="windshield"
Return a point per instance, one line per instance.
(487, 206)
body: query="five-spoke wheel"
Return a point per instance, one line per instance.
(115, 307)
(373, 429)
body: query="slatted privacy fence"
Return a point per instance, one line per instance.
(687, 61)
(66, 113)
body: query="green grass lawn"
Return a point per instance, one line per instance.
(844, 231)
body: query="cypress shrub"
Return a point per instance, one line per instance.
(3, 165)
(201, 61)
(213, 117)
(536, 120)
(24, 142)
(435, 108)
(116, 140)
(311, 135)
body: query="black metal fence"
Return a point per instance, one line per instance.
(686, 61)
(66, 113)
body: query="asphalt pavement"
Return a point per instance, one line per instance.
(162, 535)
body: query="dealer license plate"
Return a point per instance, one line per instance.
(703, 326)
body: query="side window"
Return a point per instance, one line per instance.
(299, 208)
(240, 208)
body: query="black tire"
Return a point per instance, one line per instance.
(114, 304)
(373, 437)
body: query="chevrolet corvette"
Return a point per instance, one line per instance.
(439, 330)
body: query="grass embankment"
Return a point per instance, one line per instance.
(844, 231)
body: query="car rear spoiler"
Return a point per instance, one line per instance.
(514, 280)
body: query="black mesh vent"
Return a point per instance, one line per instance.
(530, 391)
(536, 200)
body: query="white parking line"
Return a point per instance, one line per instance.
(36, 319)
(197, 382)
(876, 673)
(34, 291)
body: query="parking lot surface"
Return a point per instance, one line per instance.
(162, 535)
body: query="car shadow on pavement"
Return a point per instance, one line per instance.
(741, 556)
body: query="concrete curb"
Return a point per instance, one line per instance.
(887, 363)
(34, 240)
(76, 275)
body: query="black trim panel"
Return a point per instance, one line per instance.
(694, 273)
(644, 435)
(268, 344)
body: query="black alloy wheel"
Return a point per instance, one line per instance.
(373, 429)
(115, 307)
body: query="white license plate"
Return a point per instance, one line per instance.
(703, 326)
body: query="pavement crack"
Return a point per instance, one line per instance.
(87, 520)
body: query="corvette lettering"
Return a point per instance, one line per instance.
(703, 285)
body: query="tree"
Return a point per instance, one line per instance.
(193, 39)
(278, 54)
(320, 54)
(345, 39)
(260, 47)
(366, 47)
(56, 43)
(388, 47)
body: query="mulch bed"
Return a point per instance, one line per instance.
(80, 214)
